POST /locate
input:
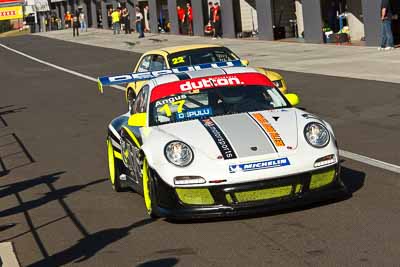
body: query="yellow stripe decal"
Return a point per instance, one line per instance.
(133, 137)
(146, 192)
(111, 163)
(117, 155)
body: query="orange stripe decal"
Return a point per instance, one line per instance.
(276, 138)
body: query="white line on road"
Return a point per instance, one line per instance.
(58, 67)
(346, 154)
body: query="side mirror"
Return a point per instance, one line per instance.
(293, 99)
(245, 62)
(138, 120)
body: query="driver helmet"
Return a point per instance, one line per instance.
(231, 95)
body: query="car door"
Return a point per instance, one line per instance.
(131, 142)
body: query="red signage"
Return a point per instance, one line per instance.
(2, 2)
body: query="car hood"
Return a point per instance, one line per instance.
(236, 136)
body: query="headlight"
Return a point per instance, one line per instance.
(178, 153)
(316, 134)
(278, 83)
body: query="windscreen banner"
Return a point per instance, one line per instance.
(11, 12)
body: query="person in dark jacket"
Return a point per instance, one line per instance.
(75, 23)
(126, 21)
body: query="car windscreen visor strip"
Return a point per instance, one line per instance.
(140, 76)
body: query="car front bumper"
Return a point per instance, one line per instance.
(247, 198)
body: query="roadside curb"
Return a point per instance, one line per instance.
(8, 258)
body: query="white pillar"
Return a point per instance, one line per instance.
(299, 16)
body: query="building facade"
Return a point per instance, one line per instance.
(266, 19)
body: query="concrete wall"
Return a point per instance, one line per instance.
(248, 15)
(355, 20)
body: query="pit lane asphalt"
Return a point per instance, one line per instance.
(53, 175)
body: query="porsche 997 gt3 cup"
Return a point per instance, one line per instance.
(221, 141)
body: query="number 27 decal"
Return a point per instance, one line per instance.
(166, 107)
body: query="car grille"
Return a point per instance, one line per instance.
(258, 192)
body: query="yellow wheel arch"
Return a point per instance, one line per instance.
(111, 161)
(146, 189)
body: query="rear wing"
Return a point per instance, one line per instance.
(141, 76)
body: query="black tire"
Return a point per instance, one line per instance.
(114, 167)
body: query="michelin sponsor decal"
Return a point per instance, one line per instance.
(194, 113)
(260, 165)
(220, 140)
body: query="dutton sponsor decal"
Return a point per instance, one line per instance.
(223, 145)
(230, 80)
(197, 84)
(260, 165)
(276, 138)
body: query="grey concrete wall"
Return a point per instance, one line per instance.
(93, 13)
(69, 8)
(62, 11)
(130, 5)
(265, 19)
(198, 17)
(228, 21)
(153, 16)
(173, 16)
(312, 21)
(104, 14)
(372, 21)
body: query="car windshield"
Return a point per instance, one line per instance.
(201, 56)
(199, 104)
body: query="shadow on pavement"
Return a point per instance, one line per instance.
(352, 179)
(7, 150)
(48, 197)
(165, 262)
(5, 112)
(88, 246)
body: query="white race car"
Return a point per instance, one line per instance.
(220, 141)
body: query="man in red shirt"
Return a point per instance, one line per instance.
(181, 18)
(189, 19)
(217, 21)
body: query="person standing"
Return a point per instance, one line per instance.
(386, 17)
(82, 21)
(181, 18)
(125, 19)
(146, 15)
(67, 19)
(217, 21)
(210, 13)
(115, 21)
(109, 19)
(189, 15)
(75, 23)
(138, 21)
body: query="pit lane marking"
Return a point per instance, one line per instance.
(346, 154)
